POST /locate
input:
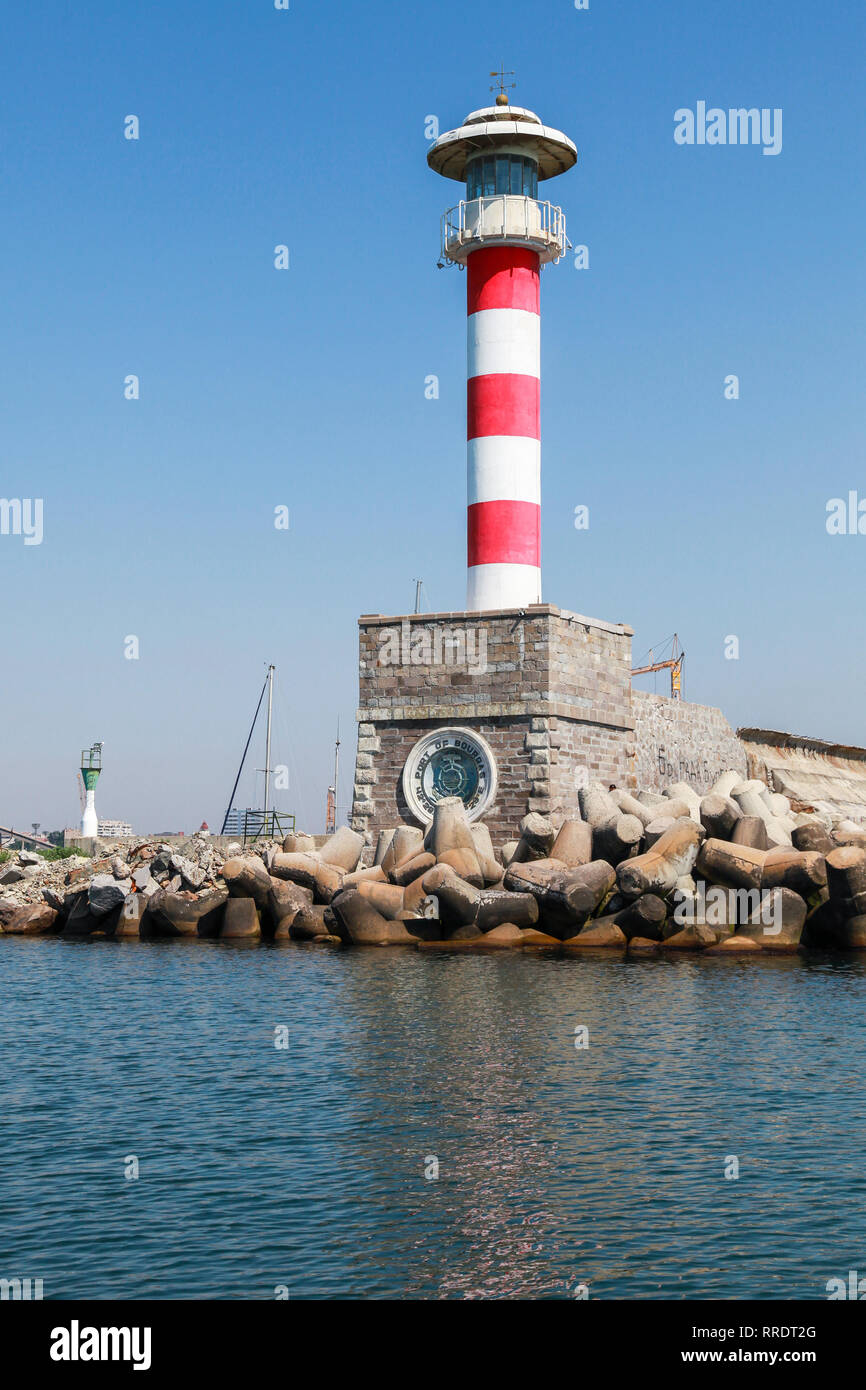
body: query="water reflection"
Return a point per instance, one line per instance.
(306, 1166)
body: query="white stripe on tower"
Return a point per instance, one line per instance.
(502, 465)
(504, 341)
(504, 452)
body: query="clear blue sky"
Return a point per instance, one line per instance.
(306, 387)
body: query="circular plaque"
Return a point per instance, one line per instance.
(449, 762)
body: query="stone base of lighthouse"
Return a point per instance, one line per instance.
(515, 710)
(542, 693)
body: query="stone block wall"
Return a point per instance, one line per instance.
(678, 742)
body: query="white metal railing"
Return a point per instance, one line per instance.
(505, 216)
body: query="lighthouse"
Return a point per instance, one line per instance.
(545, 702)
(502, 233)
(91, 766)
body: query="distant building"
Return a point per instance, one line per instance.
(236, 819)
(115, 830)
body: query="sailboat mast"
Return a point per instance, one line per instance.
(271, 670)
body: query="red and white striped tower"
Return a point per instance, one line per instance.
(502, 235)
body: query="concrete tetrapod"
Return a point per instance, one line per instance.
(681, 791)
(536, 838)
(751, 832)
(450, 830)
(812, 836)
(343, 849)
(359, 924)
(241, 920)
(286, 899)
(308, 924)
(630, 806)
(676, 808)
(658, 869)
(719, 815)
(297, 843)
(596, 805)
(725, 783)
(327, 881)
(657, 827)
(751, 803)
(537, 876)
(404, 844)
(491, 870)
(731, 865)
(375, 874)
(464, 862)
(694, 938)
(617, 839)
(643, 917)
(575, 896)
(387, 898)
(458, 899)
(406, 872)
(803, 871)
(842, 837)
(298, 868)
(170, 914)
(651, 799)
(573, 844)
(600, 934)
(497, 906)
(846, 879)
(130, 924)
(777, 924)
(382, 843)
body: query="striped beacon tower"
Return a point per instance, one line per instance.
(502, 235)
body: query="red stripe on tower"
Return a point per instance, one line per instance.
(504, 533)
(503, 277)
(503, 404)
(503, 409)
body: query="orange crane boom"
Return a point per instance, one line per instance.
(674, 664)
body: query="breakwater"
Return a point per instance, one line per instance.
(736, 871)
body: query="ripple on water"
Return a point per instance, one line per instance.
(305, 1167)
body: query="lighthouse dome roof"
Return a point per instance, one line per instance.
(512, 127)
(501, 113)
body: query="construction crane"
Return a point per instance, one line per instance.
(674, 664)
